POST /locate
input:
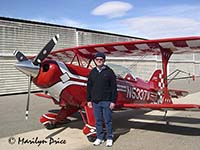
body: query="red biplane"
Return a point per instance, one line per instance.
(65, 81)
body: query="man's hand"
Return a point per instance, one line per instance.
(89, 104)
(112, 106)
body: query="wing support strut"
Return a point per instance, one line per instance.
(166, 53)
(82, 62)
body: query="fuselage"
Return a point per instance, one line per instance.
(66, 84)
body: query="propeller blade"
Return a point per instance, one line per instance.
(46, 50)
(20, 56)
(28, 98)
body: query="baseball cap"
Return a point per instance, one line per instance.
(100, 54)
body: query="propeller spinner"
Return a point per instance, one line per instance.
(31, 68)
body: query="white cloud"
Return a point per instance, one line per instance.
(160, 22)
(166, 21)
(152, 27)
(156, 27)
(112, 9)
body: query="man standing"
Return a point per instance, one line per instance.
(102, 95)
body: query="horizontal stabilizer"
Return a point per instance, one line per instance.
(177, 93)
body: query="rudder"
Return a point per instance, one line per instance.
(157, 80)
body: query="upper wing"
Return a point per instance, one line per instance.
(132, 48)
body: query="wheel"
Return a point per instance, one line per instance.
(91, 138)
(50, 126)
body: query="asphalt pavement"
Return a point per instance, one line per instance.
(133, 129)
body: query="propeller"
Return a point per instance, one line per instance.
(31, 68)
(20, 56)
(46, 50)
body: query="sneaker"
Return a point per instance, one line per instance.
(97, 142)
(109, 143)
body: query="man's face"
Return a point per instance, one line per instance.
(99, 61)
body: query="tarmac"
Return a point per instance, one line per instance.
(133, 129)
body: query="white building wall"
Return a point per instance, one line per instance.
(30, 37)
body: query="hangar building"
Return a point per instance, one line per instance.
(30, 37)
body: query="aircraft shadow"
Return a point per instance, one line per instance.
(123, 122)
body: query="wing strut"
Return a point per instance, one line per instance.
(166, 53)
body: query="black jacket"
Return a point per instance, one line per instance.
(101, 86)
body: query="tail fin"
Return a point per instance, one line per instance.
(156, 80)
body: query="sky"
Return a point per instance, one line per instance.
(139, 18)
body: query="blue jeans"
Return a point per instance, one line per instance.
(103, 114)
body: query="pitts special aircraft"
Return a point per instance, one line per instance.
(65, 83)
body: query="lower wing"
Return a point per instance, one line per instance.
(164, 107)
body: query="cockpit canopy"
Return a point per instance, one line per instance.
(120, 70)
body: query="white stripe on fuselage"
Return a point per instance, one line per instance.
(56, 89)
(64, 70)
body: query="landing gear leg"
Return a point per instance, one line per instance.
(89, 129)
(165, 117)
(51, 121)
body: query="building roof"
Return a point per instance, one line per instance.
(63, 26)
